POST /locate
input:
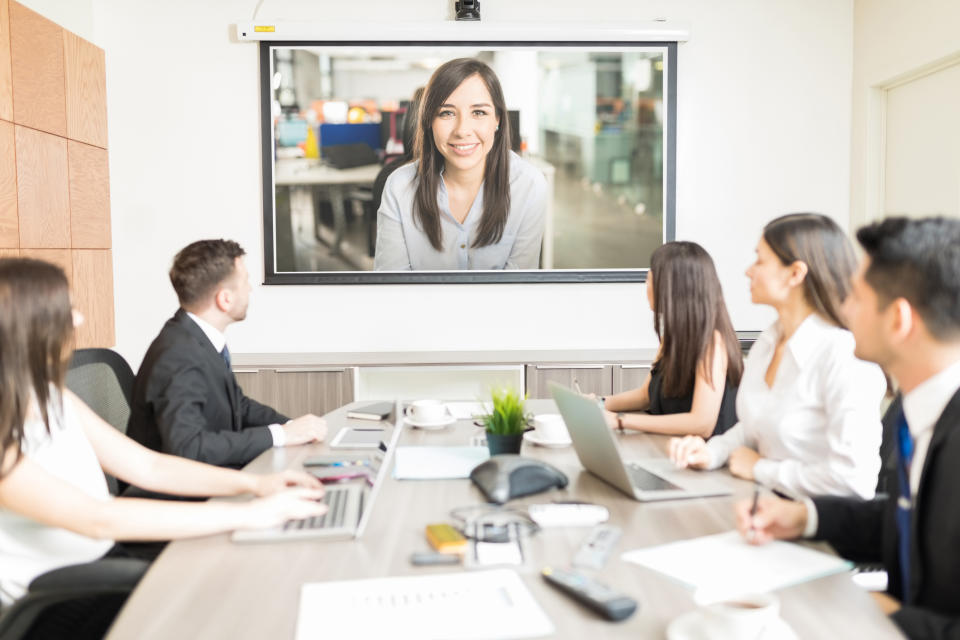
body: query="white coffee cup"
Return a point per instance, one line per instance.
(550, 427)
(745, 616)
(427, 411)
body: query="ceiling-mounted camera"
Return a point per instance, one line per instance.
(467, 9)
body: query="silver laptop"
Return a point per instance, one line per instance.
(644, 480)
(349, 506)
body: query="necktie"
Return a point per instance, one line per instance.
(225, 354)
(904, 503)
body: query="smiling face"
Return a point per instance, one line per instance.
(465, 127)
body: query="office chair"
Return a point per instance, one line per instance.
(78, 601)
(104, 381)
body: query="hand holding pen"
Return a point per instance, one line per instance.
(767, 518)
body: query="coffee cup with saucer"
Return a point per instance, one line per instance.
(428, 414)
(549, 430)
(755, 616)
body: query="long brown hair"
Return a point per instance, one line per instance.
(818, 242)
(688, 309)
(36, 337)
(496, 171)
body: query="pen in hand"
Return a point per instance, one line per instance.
(751, 532)
(576, 385)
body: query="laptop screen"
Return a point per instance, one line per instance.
(386, 457)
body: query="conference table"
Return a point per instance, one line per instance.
(211, 587)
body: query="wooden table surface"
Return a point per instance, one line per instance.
(212, 588)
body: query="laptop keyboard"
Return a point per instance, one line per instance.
(646, 481)
(336, 501)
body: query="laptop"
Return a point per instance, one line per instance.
(347, 156)
(644, 480)
(349, 506)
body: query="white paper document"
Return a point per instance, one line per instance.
(437, 463)
(725, 565)
(468, 410)
(477, 605)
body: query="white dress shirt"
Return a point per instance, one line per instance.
(403, 246)
(817, 429)
(922, 407)
(219, 341)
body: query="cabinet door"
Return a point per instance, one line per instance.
(258, 384)
(629, 376)
(591, 378)
(316, 391)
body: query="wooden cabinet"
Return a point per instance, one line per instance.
(592, 378)
(294, 392)
(629, 376)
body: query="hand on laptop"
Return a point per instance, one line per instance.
(690, 451)
(307, 428)
(775, 519)
(271, 483)
(274, 510)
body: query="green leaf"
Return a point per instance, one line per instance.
(507, 416)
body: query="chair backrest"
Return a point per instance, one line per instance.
(103, 380)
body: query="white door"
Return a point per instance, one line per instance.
(922, 140)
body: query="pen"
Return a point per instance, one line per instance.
(576, 385)
(753, 511)
(345, 463)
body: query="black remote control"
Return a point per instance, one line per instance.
(610, 604)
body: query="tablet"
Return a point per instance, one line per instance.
(353, 438)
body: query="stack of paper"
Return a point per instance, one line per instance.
(478, 605)
(437, 463)
(725, 565)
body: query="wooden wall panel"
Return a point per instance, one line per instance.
(36, 50)
(6, 78)
(93, 296)
(9, 228)
(59, 257)
(86, 85)
(89, 196)
(42, 190)
(9, 253)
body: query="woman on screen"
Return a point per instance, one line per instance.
(55, 509)
(809, 411)
(692, 386)
(468, 201)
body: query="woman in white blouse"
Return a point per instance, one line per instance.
(468, 202)
(809, 411)
(55, 509)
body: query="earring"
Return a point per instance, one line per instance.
(498, 128)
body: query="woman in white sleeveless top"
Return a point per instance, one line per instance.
(55, 509)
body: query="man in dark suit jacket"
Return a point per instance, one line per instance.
(186, 400)
(904, 311)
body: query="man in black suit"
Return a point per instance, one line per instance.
(186, 400)
(904, 311)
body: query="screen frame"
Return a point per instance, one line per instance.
(272, 277)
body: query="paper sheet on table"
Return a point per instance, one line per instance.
(437, 463)
(468, 410)
(469, 606)
(725, 565)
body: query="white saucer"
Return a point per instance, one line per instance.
(531, 436)
(436, 424)
(691, 626)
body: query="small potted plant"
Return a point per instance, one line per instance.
(506, 422)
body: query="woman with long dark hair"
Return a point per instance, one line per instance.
(692, 386)
(55, 508)
(467, 201)
(808, 409)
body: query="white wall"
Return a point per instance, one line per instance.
(891, 38)
(764, 128)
